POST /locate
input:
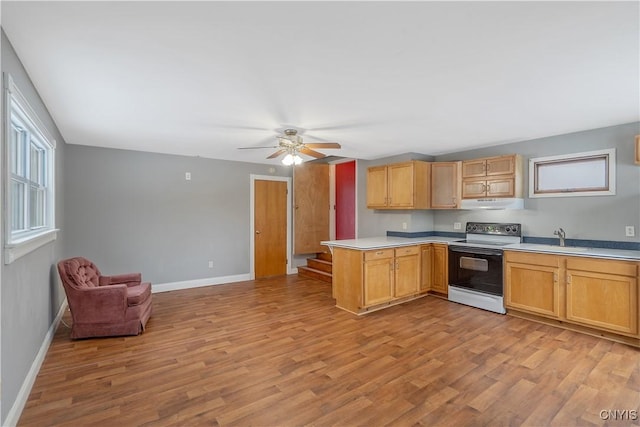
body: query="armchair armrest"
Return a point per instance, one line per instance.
(106, 304)
(130, 279)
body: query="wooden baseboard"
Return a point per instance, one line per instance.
(382, 306)
(632, 341)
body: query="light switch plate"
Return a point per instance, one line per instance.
(630, 231)
(187, 176)
(457, 225)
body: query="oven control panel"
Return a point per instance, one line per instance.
(495, 228)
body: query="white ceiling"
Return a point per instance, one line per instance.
(381, 78)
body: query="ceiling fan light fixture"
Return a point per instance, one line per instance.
(291, 159)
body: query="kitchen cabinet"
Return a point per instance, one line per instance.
(378, 277)
(434, 275)
(399, 186)
(440, 282)
(532, 283)
(445, 185)
(492, 177)
(603, 294)
(594, 295)
(365, 280)
(426, 267)
(406, 271)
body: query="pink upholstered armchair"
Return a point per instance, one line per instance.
(104, 305)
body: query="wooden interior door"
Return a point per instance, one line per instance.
(345, 200)
(270, 228)
(311, 207)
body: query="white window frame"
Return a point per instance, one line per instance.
(18, 244)
(608, 177)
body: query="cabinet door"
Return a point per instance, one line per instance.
(501, 187)
(533, 288)
(407, 275)
(440, 269)
(377, 187)
(603, 300)
(445, 185)
(473, 188)
(378, 281)
(502, 165)
(426, 267)
(473, 168)
(400, 184)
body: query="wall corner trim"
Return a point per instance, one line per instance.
(23, 395)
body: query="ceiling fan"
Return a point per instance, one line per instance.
(291, 143)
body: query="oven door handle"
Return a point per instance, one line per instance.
(473, 250)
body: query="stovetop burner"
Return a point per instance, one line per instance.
(491, 234)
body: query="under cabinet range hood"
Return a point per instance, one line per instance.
(495, 203)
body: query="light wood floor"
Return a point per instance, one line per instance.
(278, 353)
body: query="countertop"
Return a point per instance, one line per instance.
(369, 243)
(577, 251)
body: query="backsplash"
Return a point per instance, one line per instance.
(604, 244)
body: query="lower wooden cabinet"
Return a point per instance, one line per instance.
(434, 274)
(366, 280)
(378, 277)
(426, 267)
(603, 294)
(599, 294)
(440, 282)
(406, 271)
(532, 283)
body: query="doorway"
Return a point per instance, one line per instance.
(270, 236)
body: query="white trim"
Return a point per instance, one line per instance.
(252, 210)
(18, 249)
(198, 283)
(30, 241)
(23, 395)
(611, 167)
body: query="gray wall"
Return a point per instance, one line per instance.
(134, 211)
(597, 218)
(30, 294)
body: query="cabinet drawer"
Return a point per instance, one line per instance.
(408, 250)
(621, 268)
(532, 258)
(379, 254)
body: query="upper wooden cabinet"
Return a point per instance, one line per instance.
(445, 185)
(399, 186)
(492, 177)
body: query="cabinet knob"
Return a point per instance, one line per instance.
(257, 231)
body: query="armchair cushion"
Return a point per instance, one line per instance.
(137, 294)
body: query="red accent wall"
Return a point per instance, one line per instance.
(346, 200)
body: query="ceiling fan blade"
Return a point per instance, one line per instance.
(311, 153)
(276, 154)
(254, 148)
(322, 145)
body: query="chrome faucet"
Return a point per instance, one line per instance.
(561, 235)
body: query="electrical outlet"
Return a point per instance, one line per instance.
(210, 264)
(187, 176)
(457, 225)
(404, 225)
(630, 231)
